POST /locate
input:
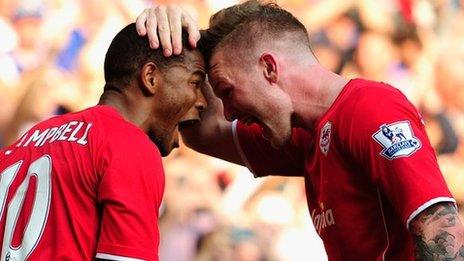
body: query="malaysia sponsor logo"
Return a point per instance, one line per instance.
(397, 140)
(323, 219)
(324, 141)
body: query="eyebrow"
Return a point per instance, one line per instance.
(219, 82)
(197, 70)
(212, 66)
(210, 72)
(201, 73)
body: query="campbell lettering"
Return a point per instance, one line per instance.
(73, 131)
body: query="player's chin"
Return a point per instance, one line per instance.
(278, 137)
(279, 141)
(174, 142)
(167, 145)
(167, 148)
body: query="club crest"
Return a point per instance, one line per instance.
(397, 140)
(324, 141)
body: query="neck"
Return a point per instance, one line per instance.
(127, 104)
(316, 92)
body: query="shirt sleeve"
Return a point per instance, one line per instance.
(388, 138)
(130, 193)
(262, 159)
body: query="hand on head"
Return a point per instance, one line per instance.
(164, 25)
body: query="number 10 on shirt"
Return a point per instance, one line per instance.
(41, 170)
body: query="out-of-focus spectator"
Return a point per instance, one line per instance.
(450, 87)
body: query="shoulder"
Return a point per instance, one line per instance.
(377, 113)
(372, 103)
(372, 94)
(115, 131)
(126, 144)
(127, 151)
(133, 141)
(111, 130)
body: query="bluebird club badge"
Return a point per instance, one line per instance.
(397, 140)
(324, 141)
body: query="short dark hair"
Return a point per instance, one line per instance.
(251, 21)
(128, 53)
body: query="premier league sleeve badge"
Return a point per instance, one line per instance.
(397, 140)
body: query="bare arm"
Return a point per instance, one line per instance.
(438, 233)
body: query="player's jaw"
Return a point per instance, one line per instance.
(164, 143)
(189, 119)
(270, 110)
(168, 139)
(276, 128)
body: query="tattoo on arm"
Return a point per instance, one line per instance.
(438, 233)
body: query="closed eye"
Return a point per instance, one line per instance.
(196, 84)
(197, 79)
(225, 92)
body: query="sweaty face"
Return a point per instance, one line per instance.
(178, 100)
(251, 98)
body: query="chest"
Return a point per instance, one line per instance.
(329, 165)
(336, 185)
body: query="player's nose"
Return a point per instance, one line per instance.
(200, 104)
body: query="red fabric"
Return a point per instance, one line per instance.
(406, 10)
(359, 199)
(106, 186)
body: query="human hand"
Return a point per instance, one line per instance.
(212, 118)
(167, 22)
(215, 108)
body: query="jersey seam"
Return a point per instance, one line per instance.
(426, 205)
(384, 223)
(110, 249)
(116, 257)
(239, 148)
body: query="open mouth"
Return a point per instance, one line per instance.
(187, 123)
(248, 120)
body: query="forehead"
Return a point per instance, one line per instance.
(219, 69)
(193, 62)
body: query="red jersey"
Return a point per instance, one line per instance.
(369, 170)
(80, 186)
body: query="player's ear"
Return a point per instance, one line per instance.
(269, 65)
(148, 77)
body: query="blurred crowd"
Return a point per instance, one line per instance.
(51, 62)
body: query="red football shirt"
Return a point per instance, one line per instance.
(80, 186)
(368, 166)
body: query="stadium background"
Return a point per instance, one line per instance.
(51, 61)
